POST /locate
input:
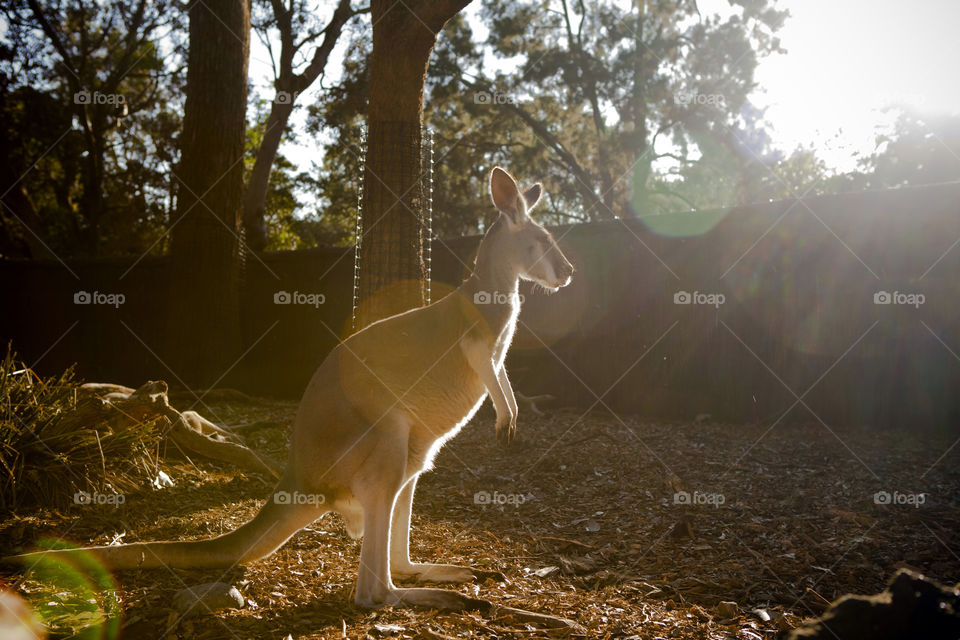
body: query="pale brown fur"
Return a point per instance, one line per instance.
(377, 411)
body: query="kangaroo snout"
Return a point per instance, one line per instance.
(566, 276)
(560, 270)
(563, 279)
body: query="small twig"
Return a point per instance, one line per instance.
(592, 436)
(169, 441)
(497, 612)
(567, 540)
(103, 458)
(814, 592)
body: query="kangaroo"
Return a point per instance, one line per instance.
(377, 411)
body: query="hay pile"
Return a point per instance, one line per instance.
(44, 463)
(63, 441)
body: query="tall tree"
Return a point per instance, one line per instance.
(90, 116)
(289, 19)
(623, 95)
(921, 149)
(608, 105)
(204, 320)
(392, 267)
(107, 60)
(31, 123)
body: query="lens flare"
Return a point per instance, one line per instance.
(78, 596)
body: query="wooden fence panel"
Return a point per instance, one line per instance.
(798, 317)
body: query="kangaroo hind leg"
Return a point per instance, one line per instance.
(377, 486)
(400, 564)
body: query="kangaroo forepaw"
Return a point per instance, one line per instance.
(506, 431)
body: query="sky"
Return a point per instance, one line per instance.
(845, 61)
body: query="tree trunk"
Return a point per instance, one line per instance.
(254, 205)
(639, 138)
(16, 202)
(204, 318)
(392, 269)
(289, 85)
(91, 203)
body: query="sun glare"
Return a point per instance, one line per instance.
(848, 62)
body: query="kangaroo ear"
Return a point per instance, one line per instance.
(506, 195)
(532, 195)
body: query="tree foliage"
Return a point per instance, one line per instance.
(621, 108)
(609, 106)
(108, 95)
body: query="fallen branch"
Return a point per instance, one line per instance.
(530, 402)
(496, 612)
(119, 408)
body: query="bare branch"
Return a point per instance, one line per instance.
(341, 15)
(57, 43)
(673, 194)
(564, 156)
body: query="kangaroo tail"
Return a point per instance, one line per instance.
(274, 524)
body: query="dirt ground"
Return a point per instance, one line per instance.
(633, 529)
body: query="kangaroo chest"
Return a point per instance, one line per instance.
(502, 343)
(452, 409)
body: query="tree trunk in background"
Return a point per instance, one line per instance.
(639, 138)
(288, 85)
(204, 317)
(16, 202)
(91, 202)
(391, 260)
(255, 201)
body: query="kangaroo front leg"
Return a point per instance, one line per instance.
(480, 358)
(400, 564)
(508, 392)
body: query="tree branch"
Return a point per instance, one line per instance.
(57, 43)
(341, 15)
(567, 158)
(667, 192)
(436, 13)
(131, 44)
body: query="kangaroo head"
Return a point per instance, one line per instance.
(527, 247)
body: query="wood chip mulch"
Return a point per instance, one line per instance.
(633, 529)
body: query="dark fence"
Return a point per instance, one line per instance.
(841, 309)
